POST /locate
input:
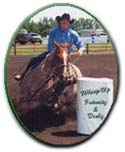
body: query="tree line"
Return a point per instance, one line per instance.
(43, 26)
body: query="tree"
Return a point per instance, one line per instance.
(43, 26)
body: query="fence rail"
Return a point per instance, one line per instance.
(37, 48)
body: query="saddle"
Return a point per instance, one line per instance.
(48, 93)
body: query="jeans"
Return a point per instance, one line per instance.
(35, 61)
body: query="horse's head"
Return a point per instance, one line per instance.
(62, 58)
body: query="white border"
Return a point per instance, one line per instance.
(111, 136)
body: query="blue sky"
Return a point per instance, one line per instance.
(59, 10)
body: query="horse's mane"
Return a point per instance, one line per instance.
(47, 63)
(50, 56)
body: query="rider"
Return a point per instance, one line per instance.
(62, 34)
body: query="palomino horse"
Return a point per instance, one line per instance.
(39, 83)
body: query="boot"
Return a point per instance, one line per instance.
(19, 77)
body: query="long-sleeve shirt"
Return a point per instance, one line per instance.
(64, 37)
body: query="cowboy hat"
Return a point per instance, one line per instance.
(64, 17)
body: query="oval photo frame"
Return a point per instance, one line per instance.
(73, 137)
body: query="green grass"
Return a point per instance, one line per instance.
(37, 49)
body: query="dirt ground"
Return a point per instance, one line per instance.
(42, 122)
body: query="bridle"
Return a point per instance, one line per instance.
(52, 75)
(55, 68)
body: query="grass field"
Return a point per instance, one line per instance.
(34, 49)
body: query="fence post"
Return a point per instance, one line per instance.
(87, 48)
(14, 48)
(105, 46)
(34, 47)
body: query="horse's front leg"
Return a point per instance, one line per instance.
(67, 99)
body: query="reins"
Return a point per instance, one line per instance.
(75, 60)
(50, 76)
(38, 89)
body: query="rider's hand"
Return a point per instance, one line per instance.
(80, 53)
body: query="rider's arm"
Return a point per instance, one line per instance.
(51, 40)
(77, 41)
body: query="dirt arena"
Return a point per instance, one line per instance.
(42, 122)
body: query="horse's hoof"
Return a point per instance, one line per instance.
(56, 105)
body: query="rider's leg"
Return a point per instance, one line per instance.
(35, 61)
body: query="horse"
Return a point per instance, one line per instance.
(39, 83)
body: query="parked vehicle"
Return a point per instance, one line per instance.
(29, 37)
(22, 38)
(34, 37)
